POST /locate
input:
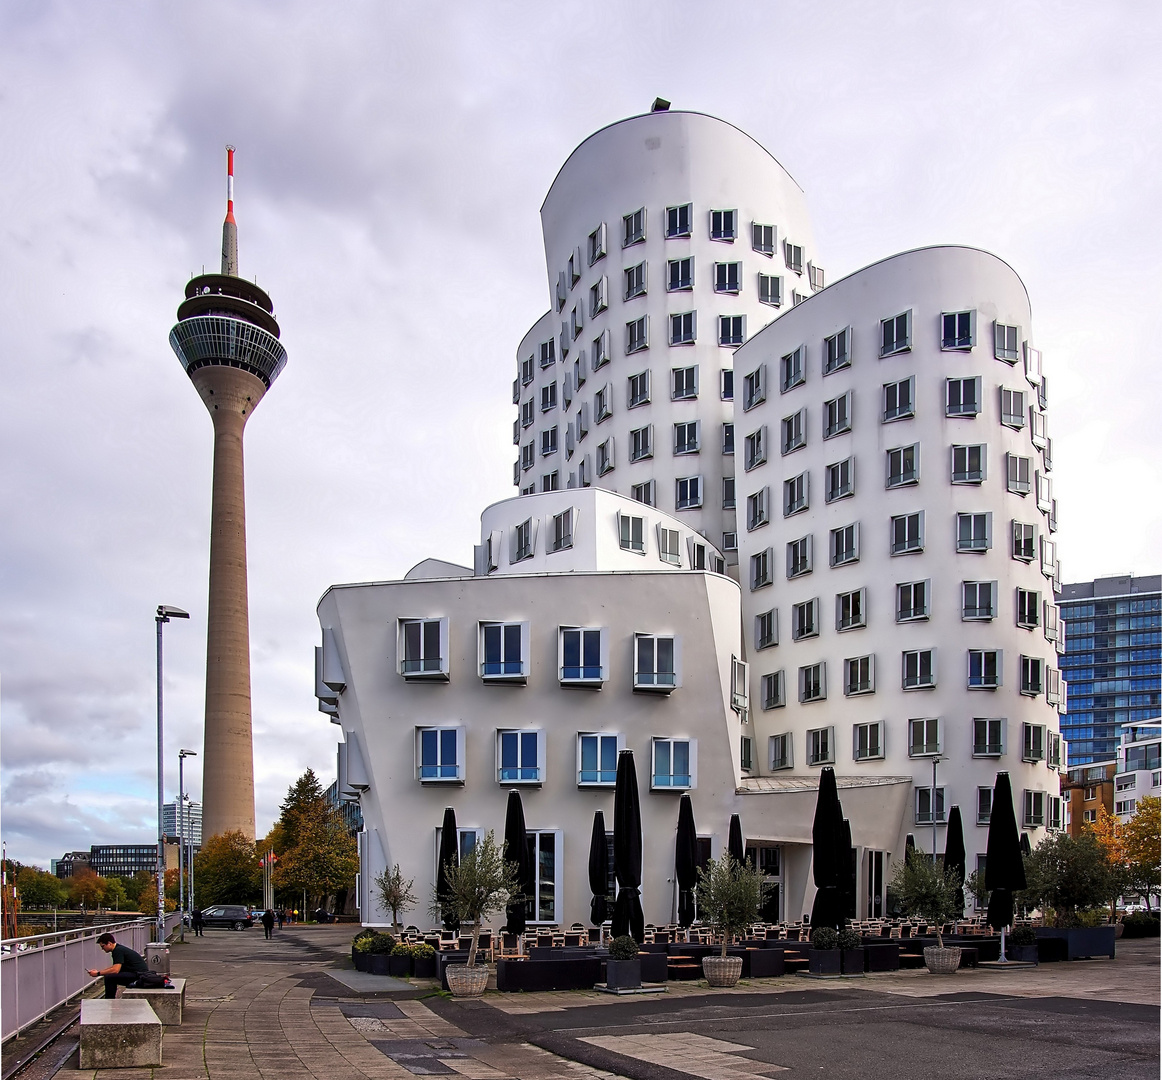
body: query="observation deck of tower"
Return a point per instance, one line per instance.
(227, 340)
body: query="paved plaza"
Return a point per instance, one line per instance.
(294, 1009)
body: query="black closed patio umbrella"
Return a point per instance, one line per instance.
(847, 871)
(954, 856)
(516, 849)
(628, 917)
(1026, 847)
(449, 854)
(734, 844)
(826, 841)
(1004, 869)
(909, 847)
(598, 871)
(686, 861)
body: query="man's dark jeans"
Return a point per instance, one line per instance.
(122, 978)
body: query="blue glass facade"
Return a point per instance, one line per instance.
(1112, 662)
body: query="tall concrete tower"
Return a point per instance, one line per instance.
(227, 340)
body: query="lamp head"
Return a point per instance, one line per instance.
(165, 613)
(187, 753)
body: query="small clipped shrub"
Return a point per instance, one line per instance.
(1141, 924)
(363, 944)
(623, 948)
(1023, 936)
(421, 950)
(849, 939)
(364, 935)
(824, 937)
(402, 948)
(381, 943)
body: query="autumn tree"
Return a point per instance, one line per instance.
(1142, 841)
(147, 900)
(226, 870)
(325, 858)
(86, 889)
(136, 885)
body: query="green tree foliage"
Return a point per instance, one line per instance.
(304, 795)
(116, 898)
(1143, 847)
(147, 900)
(39, 891)
(728, 894)
(86, 889)
(394, 893)
(925, 890)
(226, 870)
(326, 857)
(136, 885)
(1070, 876)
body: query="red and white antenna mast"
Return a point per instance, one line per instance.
(229, 226)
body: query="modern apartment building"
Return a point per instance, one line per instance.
(191, 822)
(1112, 661)
(1139, 770)
(1085, 790)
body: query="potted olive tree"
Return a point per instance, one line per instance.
(926, 890)
(1073, 878)
(483, 884)
(394, 893)
(729, 893)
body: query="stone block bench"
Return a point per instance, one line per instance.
(168, 1004)
(119, 1033)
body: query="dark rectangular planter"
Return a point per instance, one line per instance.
(766, 963)
(378, 963)
(424, 967)
(853, 961)
(1082, 941)
(567, 973)
(399, 967)
(882, 957)
(824, 961)
(361, 959)
(623, 974)
(1026, 954)
(654, 966)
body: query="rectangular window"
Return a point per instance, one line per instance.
(900, 399)
(845, 544)
(868, 741)
(1034, 816)
(815, 277)
(673, 763)
(678, 220)
(683, 383)
(731, 329)
(958, 329)
(1054, 689)
(912, 600)
(968, 464)
(518, 757)
(723, 225)
(502, 654)
(1005, 342)
(639, 389)
(1122, 806)
(655, 668)
(680, 277)
(760, 569)
(984, 669)
(772, 692)
(1024, 541)
(904, 466)
(682, 328)
(781, 747)
(728, 496)
(634, 228)
(1044, 492)
(793, 370)
(549, 441)
(988, 736)
(896, 334)
(576, 322)
(795, 494)
(632, 532)
(601, 350)
(727, 277)
(821, 746)
(1013, 408)
(597, 244)
(805, 619)
(524, 536)
(770, 290)
(1048, 557)
(526, 371)
(984, 805)
(726, 384)
(840, 480)
(908, 533)
(978, 600)
(794, 431)
(962, 397)
(730, 541)
(919, 669)
(582, 656)
(1018, 472)
(669, 545)
(974, 532)
(813, 682)
(597, 759)
(549, 397)
(762, 238)
(799, 557)
(797, 297)
(578, 374)
(605, 460)
(754, 387)
(561, 531)
(766, 629)
(1038, 427)
(793, 256)
(686, 437)
(859, 676)
(1032, 676)
(745, 753)
(635, 281)
(528, 456)
(688, 492)
(758, 509)
(637, 334)
(644, 493)
(528, 413)
(929, 805)
(837, 351)
(837, 416)
(1050, 617)
(923, 737)
(423, 648)
(850, 610)
(728, 439)
(439, 754)
(548, 353)
(641, 443)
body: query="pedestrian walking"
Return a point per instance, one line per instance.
(278, 914)
(268, 923)
(197, 922)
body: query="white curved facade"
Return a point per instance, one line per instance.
(650, 240)
(900, 564)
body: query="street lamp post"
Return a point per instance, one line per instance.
(164, 614)
(181, 816)
(935, 759)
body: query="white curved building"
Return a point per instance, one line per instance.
(670, 238)
(895, 538)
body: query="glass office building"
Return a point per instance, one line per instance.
(1112, 663)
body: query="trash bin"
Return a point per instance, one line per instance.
(157, 957)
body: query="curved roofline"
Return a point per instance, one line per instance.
(670, 112)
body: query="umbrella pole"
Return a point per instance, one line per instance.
(1003, 959)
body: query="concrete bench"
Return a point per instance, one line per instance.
(119, 1033)
(168, 1004)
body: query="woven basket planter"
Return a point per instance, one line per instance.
(465, 981)
(941, 961)
(722, 970)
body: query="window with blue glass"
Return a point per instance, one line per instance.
(502, 650)
(581, 655)
(655, 668)
(422, 648)
(673, 764)
(518, 757)
(598, 759)
(440, 754)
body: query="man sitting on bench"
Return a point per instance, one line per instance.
(126, 968)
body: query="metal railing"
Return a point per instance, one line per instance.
(41, 972)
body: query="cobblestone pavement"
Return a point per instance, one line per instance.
(271, 1010)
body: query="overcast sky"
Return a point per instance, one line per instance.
(391, 163)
